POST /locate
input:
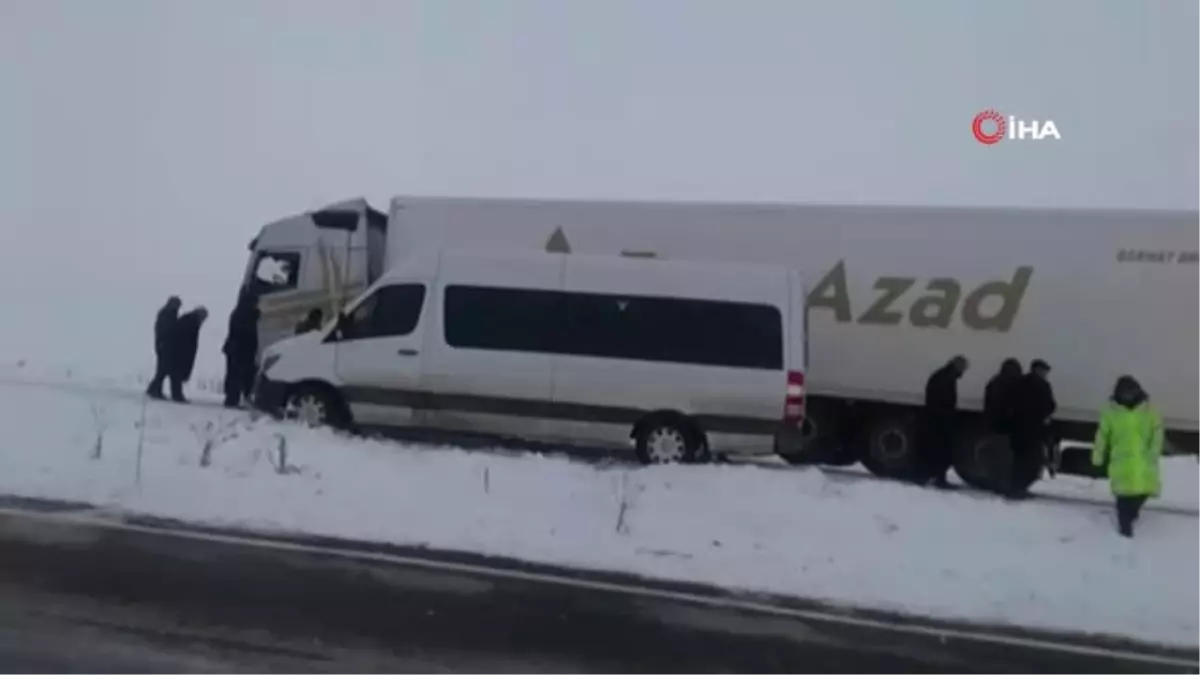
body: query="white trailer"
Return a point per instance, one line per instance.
(894, 293)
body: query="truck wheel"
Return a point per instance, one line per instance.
(667, 439)
(823, 437)
(818, 442)
(983, 460)
(799, 447)
(316, 406)
(891, 447)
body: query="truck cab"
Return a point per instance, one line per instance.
(315, 260)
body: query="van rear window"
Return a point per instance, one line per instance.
(633, 327)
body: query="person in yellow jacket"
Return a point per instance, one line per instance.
(1128, 445)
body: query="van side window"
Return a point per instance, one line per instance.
(671, 330)
(504, 319)
(674, 330)
(276, 271)
(391, 311)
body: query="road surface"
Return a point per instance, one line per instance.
(83, 594)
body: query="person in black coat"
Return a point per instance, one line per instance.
(1034, 406)
(185, 341)
(241, 349)
(1000, 397)
(164, 328)
(940, 422)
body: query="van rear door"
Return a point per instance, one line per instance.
(798, 334)
(797, 350)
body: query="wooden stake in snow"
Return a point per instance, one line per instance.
(137, 478)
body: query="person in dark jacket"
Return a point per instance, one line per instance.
(184, 342)
(311, 322)
(241, 349)
(999, 397)
(940, 422)
(164, 328)
(1035, 405)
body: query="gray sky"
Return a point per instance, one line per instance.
(142, 143)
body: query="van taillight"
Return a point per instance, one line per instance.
(793, 403)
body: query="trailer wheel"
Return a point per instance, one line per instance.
(891, 446)
(983, 460)
(824, 437)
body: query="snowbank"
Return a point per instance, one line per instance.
(805, 533)
(1180, 484)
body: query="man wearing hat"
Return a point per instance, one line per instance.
(1034, 405)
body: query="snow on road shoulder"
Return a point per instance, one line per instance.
(803, 533)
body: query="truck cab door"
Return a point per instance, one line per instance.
(379, 354)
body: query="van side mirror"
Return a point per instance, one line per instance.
(342, 329)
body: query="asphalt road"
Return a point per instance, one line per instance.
(80, 597)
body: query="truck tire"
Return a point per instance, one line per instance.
(822, 439)
(823, 449)
(667, 439)
(983, 459)
(891, 446)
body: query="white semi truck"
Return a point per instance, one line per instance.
(894, 293)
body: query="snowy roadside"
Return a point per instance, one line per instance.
(1180, 493)
(861, 543)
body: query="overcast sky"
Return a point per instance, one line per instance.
(142, 143)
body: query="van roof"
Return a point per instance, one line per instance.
(601, 273)
(616, 262)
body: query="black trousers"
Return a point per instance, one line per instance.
(239, 378)
(1027, 460)
(162, 372)
(936, 452)
(1128, 510)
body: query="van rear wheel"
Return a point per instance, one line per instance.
(666, 440)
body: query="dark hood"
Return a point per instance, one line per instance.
(1129, 393)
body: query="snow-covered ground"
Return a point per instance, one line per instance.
(804, 532)
(1181, 489)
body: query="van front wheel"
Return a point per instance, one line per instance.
(666, 440)
(314, 406)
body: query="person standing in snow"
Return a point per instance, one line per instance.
(1035, 405)
(241, 349)
(999, 397)
(312, 321)
(185, 340)
(1128, 444)
(999, 412)
(164, 329)
(939, 422)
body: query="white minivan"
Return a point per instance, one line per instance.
(682, 360)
